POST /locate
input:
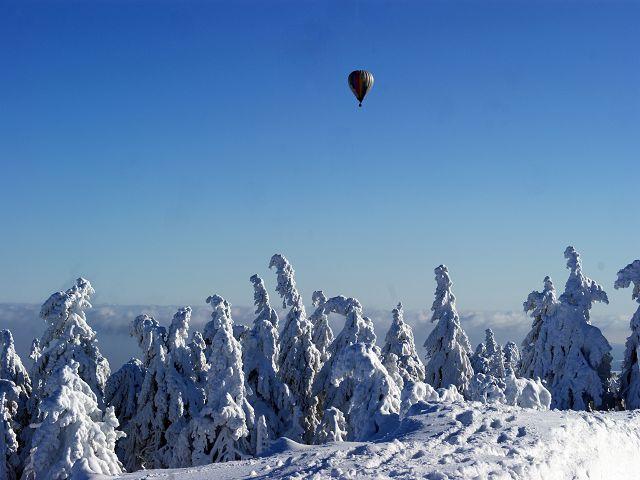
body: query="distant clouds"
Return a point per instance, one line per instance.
(112, 322)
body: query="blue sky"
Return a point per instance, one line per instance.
(166, 150)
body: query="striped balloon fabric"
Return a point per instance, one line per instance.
(360, 82)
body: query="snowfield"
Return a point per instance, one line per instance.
(462, 440)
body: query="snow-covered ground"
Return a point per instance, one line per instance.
(465, 440)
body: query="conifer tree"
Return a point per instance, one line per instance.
(220, 433)
(74, 436)
(630, 375)
(399, 350)
(68, 337)
(270, 397)
(447, 346)
(299, 358)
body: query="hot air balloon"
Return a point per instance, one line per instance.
(360, 82)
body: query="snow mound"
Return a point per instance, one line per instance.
(455, 440)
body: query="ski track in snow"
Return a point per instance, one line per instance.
(449, 441)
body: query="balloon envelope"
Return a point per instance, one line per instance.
(360, 82)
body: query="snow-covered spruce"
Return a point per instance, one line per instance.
(220, 433)
(16, 380)
(488, 359)
(630, 374)
(299, 360)
(478, 359)
(322, 333)
(569, 354)
(11, 367)
(535, 355)
(68, 337)
(333, 427)
(121, 393)
(495, 357)
(73, 435)
(511, 355)
(186, 396)
(270, 397)
(399, 351)
(354, 380)
(447, 346)
(198, 346)
(9, 459)
(146, 430)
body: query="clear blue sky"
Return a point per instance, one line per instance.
(166, 150)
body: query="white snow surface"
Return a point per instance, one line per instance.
(459, 440)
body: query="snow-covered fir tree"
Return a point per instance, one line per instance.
(447, 345)
(569, 354)
(322, 332)
(399, 351)
(511, 355)
(185, 395)
(9, 459)
(270, 397)
(333, 427)
(146, 430)
(580, 292)
(12, 370)
(494, 355)
(200, 366)
(73, 436)
(11, 367)
(121, 393)
(630, 374)
(68, 337)
(220, 433)
(478, 360)
(354, 380)
(542, 307)
(299, 359)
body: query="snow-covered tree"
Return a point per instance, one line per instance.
(200, 366)
(220, 432)
(630, 375)
(447, 346)
(495, 357)
(270, 397)
(11, 367)
(354, 380)
(569, 354)
(580, 292)
(333, 427)
(121, 393)
(146, 430)
(486, 389)
(122, 389)
(511, 356)
(185, 395)
(478, 360)
(322, 333)
(542, 307)
(73, 436)
(299, 359)
(399, 350)
(68, 337)
(13, 371)
(9, 459)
